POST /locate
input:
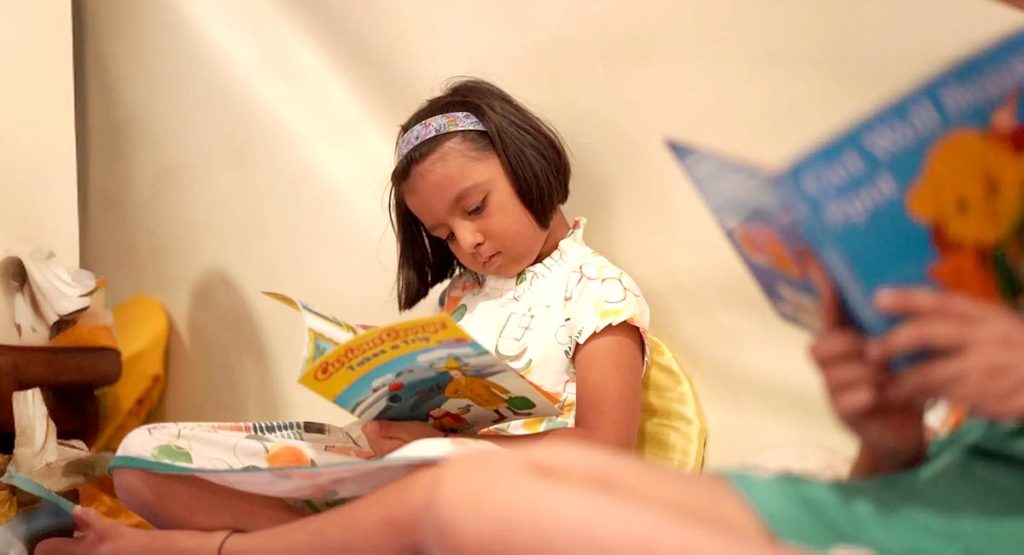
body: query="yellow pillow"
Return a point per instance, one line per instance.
(672, 426)
(142, 331)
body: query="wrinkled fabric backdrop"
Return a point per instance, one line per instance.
(234, 146)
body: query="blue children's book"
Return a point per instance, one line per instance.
(929, 190)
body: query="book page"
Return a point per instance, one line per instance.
(426, 369)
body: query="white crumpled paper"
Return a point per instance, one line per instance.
(39, 295)
(58, 465)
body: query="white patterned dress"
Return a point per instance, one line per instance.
(535, 321)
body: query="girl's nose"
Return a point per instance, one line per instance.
(469, 238)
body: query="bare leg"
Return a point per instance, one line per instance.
(555, 497)
(707, 497)
(385, 522)
(190, 503)
(575, 498)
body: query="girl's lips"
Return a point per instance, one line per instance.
(490, 260)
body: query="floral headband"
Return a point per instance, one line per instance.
(434, 126)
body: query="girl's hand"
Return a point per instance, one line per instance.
(96, 535)
(891, 434)
(385, 436)
(977, 346)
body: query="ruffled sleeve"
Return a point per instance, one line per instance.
(600, 295)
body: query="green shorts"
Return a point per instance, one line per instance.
(967, 497)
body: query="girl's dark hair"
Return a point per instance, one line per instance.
(530, 151)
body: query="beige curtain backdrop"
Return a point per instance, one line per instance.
(234, 146)
(38, 191)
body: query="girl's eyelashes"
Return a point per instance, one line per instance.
(473, 212)
(447, 237)
(477, 209)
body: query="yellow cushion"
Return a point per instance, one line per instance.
(142, 330)
(672, 426)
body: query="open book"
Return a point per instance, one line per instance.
(928, 190)
(425, 369)
(27, 484)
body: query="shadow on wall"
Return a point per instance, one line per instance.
(178, 357)
(219, 367)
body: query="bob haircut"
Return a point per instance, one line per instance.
(530, 151)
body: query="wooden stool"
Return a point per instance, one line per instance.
(68, 377)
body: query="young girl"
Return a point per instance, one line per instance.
(477, 191)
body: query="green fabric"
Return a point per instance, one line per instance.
(967, 497)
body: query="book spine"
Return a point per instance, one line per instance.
(854, 298)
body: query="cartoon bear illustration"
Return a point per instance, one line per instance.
(1009, 262)
(970, 193)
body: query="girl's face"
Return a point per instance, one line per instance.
(464, 196)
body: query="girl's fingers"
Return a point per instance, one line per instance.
(382, 445)
(87, 520)
(375, 436)
(87, 525)
(384, 436)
